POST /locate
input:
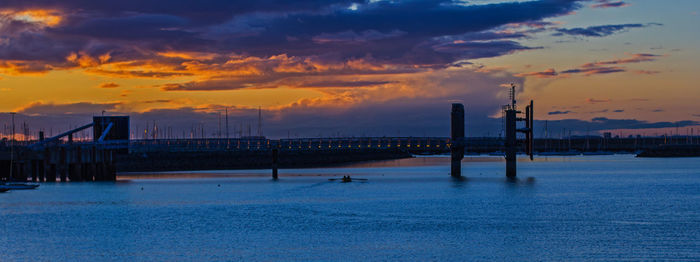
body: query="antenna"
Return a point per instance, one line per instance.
(512, 96)
(260, 133)
(12, 145)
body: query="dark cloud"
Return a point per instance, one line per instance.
(639, 99)
(198, 12)
(403, 32)
(157, 101)
(434, 33)
(646, 72)
(593, 100)
(602, 123)
(36, 47)
(599, 67)
(633, 58)
(609, 4)
(474, 50)
(594, 70)
(559, 112)
(81, 108)
(395, 118)
(599, 31)
(637, 124)
(618, 111)
(610, 66)
(345, 83)
(148, 30)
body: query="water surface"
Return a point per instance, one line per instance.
(561, 208)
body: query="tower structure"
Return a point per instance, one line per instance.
(511, 143)
(457, 139)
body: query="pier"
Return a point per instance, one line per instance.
(111, 150)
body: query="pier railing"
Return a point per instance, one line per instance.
(300, 144)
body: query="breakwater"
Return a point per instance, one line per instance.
(68, 162)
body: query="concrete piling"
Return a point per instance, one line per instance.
(457, 139)
(62, 168)
(511, 145)
(275, 161)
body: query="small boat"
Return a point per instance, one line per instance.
(2, 189)
(347, 179)
(18, 185)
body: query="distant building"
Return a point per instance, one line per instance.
(118, 135)
(118, 131)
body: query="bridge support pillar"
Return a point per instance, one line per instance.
(457, 138)
(63, 166)
(275, 160)
(511, 144)
(35, 170)
(51, 176)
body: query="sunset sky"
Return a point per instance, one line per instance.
(351, 68)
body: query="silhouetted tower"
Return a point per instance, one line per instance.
(511, 143)
(457, 139)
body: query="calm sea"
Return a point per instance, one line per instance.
(561, 209)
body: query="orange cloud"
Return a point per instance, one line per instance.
(109, 85)
(594, 101)
(43, 17)
(13, 67)
(549, 73)
(189, 55)
(83, 60)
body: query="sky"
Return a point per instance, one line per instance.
(350, 67)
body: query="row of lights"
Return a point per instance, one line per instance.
(319, 146)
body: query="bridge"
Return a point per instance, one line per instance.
(112, 150)
(61, 158)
